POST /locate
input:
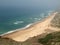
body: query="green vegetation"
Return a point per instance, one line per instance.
(50, 39)
(46, 39)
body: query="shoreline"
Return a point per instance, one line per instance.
(35, 29)
(12, 31)
(27, 26)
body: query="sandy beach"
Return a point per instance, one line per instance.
(33, 30)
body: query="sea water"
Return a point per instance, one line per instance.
(15, 18)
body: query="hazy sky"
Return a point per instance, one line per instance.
(30, 3)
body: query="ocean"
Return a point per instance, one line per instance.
(15, 18)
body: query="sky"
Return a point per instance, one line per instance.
(30, 3)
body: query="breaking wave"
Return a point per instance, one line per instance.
(16, 29)
(18, 22)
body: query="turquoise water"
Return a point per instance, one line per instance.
(14, 18)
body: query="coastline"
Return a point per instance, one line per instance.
(27, 26)
(12, 31)
(23, 28)
(34, 29)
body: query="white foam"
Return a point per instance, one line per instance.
(18, 22)
(49, 12)
(28, 25)
(16, 30)
(39, 19)
(35, 18)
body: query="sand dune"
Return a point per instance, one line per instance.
(34, 30)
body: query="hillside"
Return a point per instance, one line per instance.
(43, 39)
(49, 39)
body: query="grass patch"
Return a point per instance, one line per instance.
(45, 39)
(48, 39)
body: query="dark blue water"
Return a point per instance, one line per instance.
(14, 18)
